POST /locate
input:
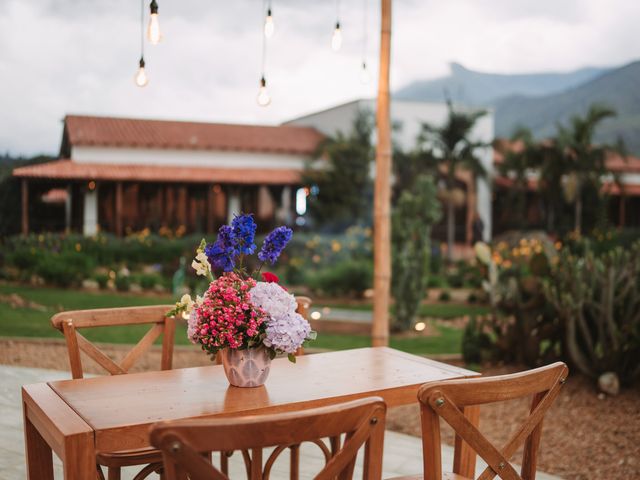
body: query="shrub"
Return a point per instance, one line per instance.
(476, 343)
(348, 278)
(64, 269)
(102, 279)
(415, 212)
(598, 298)
(123, 283)
(149, 280)
(445, 296)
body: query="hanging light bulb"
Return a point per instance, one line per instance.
(141, 76)
(269, 25)
(263, 95)
(336, 39)
(153, 31)
(364, 74)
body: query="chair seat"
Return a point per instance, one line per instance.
(445, 476)
(129, 458)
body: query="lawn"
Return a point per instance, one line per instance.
(30, 322)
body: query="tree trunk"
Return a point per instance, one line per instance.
(451, 226)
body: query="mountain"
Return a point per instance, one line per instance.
(542, 100)
(477, 88)
(618, 89)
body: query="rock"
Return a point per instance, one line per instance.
(90, 284)
(135, 288)
(608, 383)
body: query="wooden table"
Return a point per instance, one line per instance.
(77, 418)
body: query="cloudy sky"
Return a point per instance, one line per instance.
(79, 56)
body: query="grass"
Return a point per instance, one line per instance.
(28, 322)
(435, 310)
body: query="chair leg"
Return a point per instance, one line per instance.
(114, 473)
(99, 472)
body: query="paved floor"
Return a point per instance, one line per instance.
(402, 453)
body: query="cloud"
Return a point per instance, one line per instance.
(72, 56)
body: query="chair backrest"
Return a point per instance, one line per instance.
(70, 322)
(183, 443)
(304, 303)
(458, 402)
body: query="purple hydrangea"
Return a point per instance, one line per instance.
(244, 231)
(222, 253)
(286, 332)
(274, 244)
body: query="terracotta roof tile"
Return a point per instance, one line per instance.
(128, 132)
(69, 170)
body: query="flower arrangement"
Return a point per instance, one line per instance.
(237, 311)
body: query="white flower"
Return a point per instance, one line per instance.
(273, 299)
(201, 264)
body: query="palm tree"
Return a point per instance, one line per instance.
(586, 162)
(451, 144)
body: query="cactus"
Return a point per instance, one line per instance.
(598, 299)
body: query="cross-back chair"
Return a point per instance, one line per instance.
(185, 445)
(458, 402)
(69, 323)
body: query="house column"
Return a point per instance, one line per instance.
(286, 205)
(67, 209)
(25, 207)
(119, 209)
(234, 205)
(90, 212)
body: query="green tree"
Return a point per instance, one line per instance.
(451, 144)
(586, 162)
(341, 173)
(415, 212)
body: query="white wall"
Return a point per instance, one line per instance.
(186, 158)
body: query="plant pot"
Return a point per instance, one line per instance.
(246, 368)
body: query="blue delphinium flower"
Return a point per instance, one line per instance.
(221, 254)
(274, 244)
(244, 231)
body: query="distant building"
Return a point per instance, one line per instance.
(407, 118)
(122, 175)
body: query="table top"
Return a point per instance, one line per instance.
(132, 402)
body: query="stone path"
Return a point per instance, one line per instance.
(402, 453)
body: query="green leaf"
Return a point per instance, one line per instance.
(312, 335)
(292, 358)
(272, 354)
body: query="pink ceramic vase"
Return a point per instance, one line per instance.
(246, 368)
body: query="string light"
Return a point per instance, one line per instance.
(263, 95)
(140, 78)
(264, 99)
(364, 72)
(336, 38)
(269, 25)
(153, 31)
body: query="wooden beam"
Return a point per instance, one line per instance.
(119, 209)
(25, 207)
(382, 191)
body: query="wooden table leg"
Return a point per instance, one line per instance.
(50, 424)
(38, 453)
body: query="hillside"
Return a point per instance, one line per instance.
(477, 88)
(618, 89)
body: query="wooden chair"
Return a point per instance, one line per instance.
(185, 445)
(458, 401)
(70, 322)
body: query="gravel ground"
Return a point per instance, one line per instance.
(585, 436)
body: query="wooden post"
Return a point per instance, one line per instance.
(382, 192)
(25, 207)
(119, 209)
(209, 211)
